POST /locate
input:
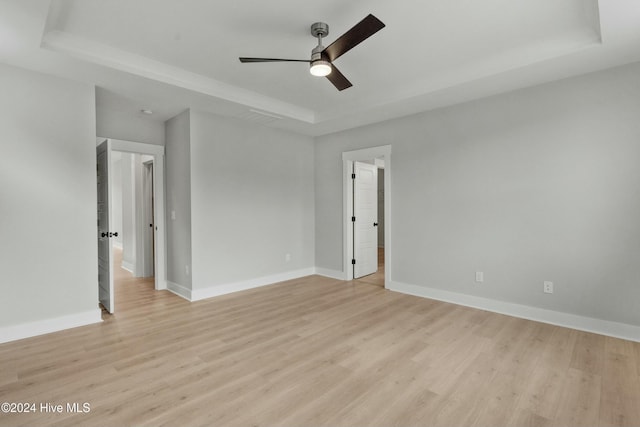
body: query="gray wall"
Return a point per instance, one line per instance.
(178, 191)
(48, 250)
(127, 127)
(252, 200)
(538, 184)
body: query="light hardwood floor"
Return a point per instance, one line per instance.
(319, 352)
(376, 278)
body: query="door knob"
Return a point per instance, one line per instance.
(113, 234)
(104, 234)
(375, 224)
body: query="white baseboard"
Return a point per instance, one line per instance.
(128, 266)
(179, 290)
(162, 285)
(582, 323)
(41, 327)
(333, 274)
(214, 291)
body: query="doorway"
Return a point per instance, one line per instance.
(374, 165)
(135, 239)
(132, 212)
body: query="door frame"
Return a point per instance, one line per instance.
(106, 294)
(348, 158)
(160, 250)
(148, 214)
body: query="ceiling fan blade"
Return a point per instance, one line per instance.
(338, 79)
(247, 60)
(360, 32)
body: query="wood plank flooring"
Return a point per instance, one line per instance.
(376, 278)
(318, 352)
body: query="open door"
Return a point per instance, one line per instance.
(365, 211)
(105, 262)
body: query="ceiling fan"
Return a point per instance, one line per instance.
(321, 62)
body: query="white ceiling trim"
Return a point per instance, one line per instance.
(609, 36)
(100, 54)
(506, 62)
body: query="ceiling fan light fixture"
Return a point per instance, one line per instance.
(320, 68)
(321, 63)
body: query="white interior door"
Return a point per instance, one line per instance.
(365, 211)
(105, 261)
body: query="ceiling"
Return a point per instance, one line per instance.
(168, 55)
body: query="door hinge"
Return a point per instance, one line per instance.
(353, 219)
(353, 262)
(353, 176)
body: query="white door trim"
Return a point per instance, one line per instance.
(147, 256)
(157, 151)
(348, 157)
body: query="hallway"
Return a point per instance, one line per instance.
(132, 292)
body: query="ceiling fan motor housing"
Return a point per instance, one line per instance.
(319, 29)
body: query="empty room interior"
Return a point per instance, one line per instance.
(282, 213)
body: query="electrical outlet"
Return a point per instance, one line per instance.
(186, 269)
(548, 287)
(287, 258)
(479, 276)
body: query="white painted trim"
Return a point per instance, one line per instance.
(382, 152)
(347, 232)
(46, 326)
(326, 272)
(179, 290)
(126, 265)
(147, 234)
(157, 151)
(213, 291)
(160, 209)
(118, 59)
(367, 153)
(582, 323)
(137, 147)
